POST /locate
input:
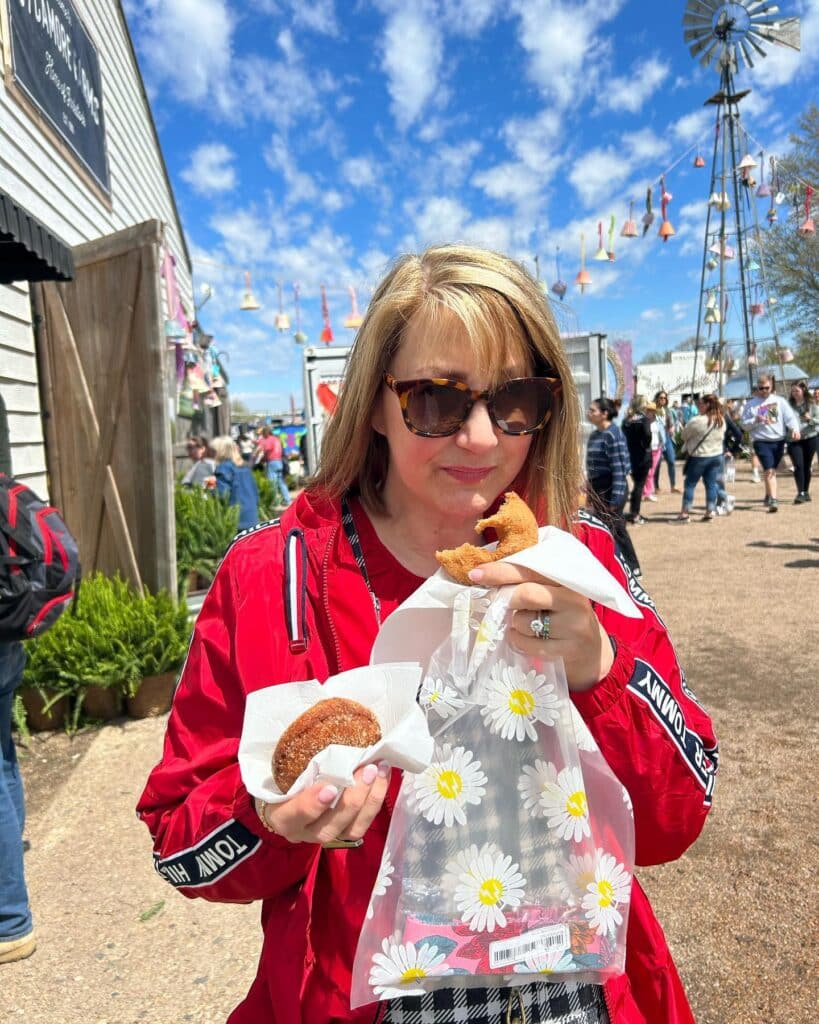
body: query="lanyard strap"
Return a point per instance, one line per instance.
(348, 523)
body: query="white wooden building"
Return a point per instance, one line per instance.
(85, 198)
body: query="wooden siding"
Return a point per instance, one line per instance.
(36, 175)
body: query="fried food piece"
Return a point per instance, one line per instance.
(335, 720)
(516, 527)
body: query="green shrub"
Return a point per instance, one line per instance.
(112, 637)
(270, 499)
(205, 526)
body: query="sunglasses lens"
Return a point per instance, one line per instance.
(436, 409)
(522, 405)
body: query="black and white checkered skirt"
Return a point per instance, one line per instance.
(536, 1003)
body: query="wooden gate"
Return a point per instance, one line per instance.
(102, 363)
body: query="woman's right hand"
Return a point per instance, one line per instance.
(308, 817)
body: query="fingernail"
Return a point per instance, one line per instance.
(476, 575)
(383, 769)
(369, 775)
(328, 795)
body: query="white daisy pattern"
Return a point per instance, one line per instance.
(577, 874)
(564, 804)
(401, 967)
(610, 889)
(547, 962)
(533, 782)
(443, 790)
(627, 801)
(488, 634)
(383, 881)
(584, 738)
(515, 700)
(440, 697)
(488, 882)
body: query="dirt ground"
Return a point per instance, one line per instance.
(740, 596)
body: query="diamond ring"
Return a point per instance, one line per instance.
(541, 626)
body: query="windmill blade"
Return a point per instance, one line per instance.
(708, 57)
(786, 32)
(750, 39)
(697, 48)
(695, 38)
(759, 7)
(705, 8)
(746, 55)
(695, 21)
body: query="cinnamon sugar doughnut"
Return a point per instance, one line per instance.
(335, 720)
(516, 527)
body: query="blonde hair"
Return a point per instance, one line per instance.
(225, 449)
(501, 309)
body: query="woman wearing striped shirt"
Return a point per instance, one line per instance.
(607, 466)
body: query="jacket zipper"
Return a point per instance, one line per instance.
(325, 596)
(380, 1013)
(608, 1004)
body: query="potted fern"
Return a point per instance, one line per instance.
(205, 526)
(160, 635)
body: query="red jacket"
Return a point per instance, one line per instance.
(253, 631)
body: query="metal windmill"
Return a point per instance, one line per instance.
(718, 35)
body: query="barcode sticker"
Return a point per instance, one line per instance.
(541, 940)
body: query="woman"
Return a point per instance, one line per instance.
(703, 442)
(607, 469)
(658, 439)
(457, 389)
(234, 481)
(637, 431)
(203, 468)
(803, 450)
(667, 415)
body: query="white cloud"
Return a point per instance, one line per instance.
(412, 56)
(279, 156)
(679, 310)
(509, 182)
(598, 174)
(358, 171)
(695, 127)
(631, 91)
(561, 43)
(198, 72)
(211, 169)
(246, 235)
(652, 314)
(468, 19)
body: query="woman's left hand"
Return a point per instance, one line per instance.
(575, 634)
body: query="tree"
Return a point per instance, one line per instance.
(792, 259)
(238, 409)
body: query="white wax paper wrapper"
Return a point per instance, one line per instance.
(388, 690)
(422, 623)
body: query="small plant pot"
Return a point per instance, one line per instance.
(102, 703)
(153, 696)
(38, 718)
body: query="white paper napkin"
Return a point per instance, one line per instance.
(388, 690)
(422, 623)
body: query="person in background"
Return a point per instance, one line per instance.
(703, 443)
(408, 463)
(203, 468)
(607, 470)
(234, 481)
(769, 417)
(17, 939)
(246, 445)
(272, 451)
(802, 450)
(668, 415)
(637, 431)
(731, 448)
(658, 437)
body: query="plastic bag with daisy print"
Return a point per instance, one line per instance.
(510, 858)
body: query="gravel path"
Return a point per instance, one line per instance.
(740, 595)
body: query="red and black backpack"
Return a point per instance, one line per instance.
(39, 563)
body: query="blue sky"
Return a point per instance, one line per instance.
(312, 142)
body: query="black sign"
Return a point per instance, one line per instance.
(56, 65)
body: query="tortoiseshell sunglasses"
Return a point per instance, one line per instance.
(439, 407)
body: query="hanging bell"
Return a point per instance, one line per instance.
(583, 278)
(752, 357)
(715, 200)
(764, 190)
(326, 335)
(629, 229)
(282, 322)
(787, 355)
(699, 160)
(666, 230)
(712, 315)
(757, 309)
(728, 251)
(711, 301)
(753, 265)
(724, 202)
(712, 264)
(730, 364)
(249, 300)
(601, 255)
(772, 300)
(772, 214)
(747, 162)
(780, 198)
(807, 227)
(300, 337)
(354, 320)
(559, 288)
